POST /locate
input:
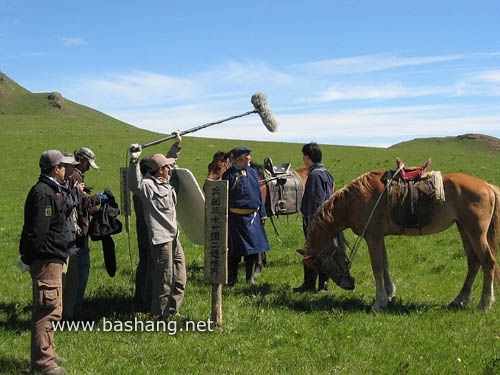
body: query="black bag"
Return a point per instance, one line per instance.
(104, 224)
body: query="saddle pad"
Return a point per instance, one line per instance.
(285, 193)
(437, 181)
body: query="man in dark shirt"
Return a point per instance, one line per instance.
(44, 247)
(319, 187)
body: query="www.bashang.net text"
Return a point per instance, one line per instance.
(136, 325)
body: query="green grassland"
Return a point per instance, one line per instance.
(267, 328)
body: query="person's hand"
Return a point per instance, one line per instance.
(20, 264)
(103, 197)
(79, 185)
(134, 150)
(178, 138)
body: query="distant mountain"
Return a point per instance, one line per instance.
(16, 100)
(492, 143)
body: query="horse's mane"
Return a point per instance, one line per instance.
(360, 185)
(323, 219)
(257, 166)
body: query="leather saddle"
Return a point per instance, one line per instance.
(285, 188)
(411, 194)
(276, 170)
(411, 173)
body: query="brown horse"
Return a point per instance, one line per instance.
(471, 203)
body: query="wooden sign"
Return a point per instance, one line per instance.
(215, 264)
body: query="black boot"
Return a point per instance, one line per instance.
(309, 284)
(261, 263)
(250, 263)
(232, 271)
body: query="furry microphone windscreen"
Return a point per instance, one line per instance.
(259, 102)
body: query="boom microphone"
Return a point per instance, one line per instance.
(259, 101)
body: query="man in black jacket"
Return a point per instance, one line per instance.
(44, 247)
(319, 187)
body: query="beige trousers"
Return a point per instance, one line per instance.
(47, 307)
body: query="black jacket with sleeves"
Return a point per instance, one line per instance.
(43, 235)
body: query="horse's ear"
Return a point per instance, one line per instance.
(301, 251)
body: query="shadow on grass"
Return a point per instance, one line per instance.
(107, 305)
(12, 365)
(268, 295)
(16, 317)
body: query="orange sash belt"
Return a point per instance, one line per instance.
(242, 211)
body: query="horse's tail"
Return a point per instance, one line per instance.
(494, 230)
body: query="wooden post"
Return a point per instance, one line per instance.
(125, 197)
(215, 265)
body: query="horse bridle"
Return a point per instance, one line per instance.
(329, 258)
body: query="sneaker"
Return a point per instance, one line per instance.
(60, 360)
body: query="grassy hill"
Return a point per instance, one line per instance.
(267, 328)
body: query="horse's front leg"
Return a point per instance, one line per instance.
(378, 259)
(390, 288)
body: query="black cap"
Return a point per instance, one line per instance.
(239, 151)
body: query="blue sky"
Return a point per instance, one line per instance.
(369, 73)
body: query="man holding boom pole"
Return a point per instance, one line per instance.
(159, 200)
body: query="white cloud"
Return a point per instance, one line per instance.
(136, 89)
(250, 72)
(384, 91)
(73, 42)
(370, 63)
(363, 126)
(307, 106)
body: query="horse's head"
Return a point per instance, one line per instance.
(325, 248)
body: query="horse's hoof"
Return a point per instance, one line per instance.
(456, 306)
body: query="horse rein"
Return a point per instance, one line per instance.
(355, 247)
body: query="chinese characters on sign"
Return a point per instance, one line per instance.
(215, 267)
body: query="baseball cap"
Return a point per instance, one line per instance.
(88, 154)
(158, 161)
(50, 158)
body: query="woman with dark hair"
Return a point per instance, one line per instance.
(218, 166)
